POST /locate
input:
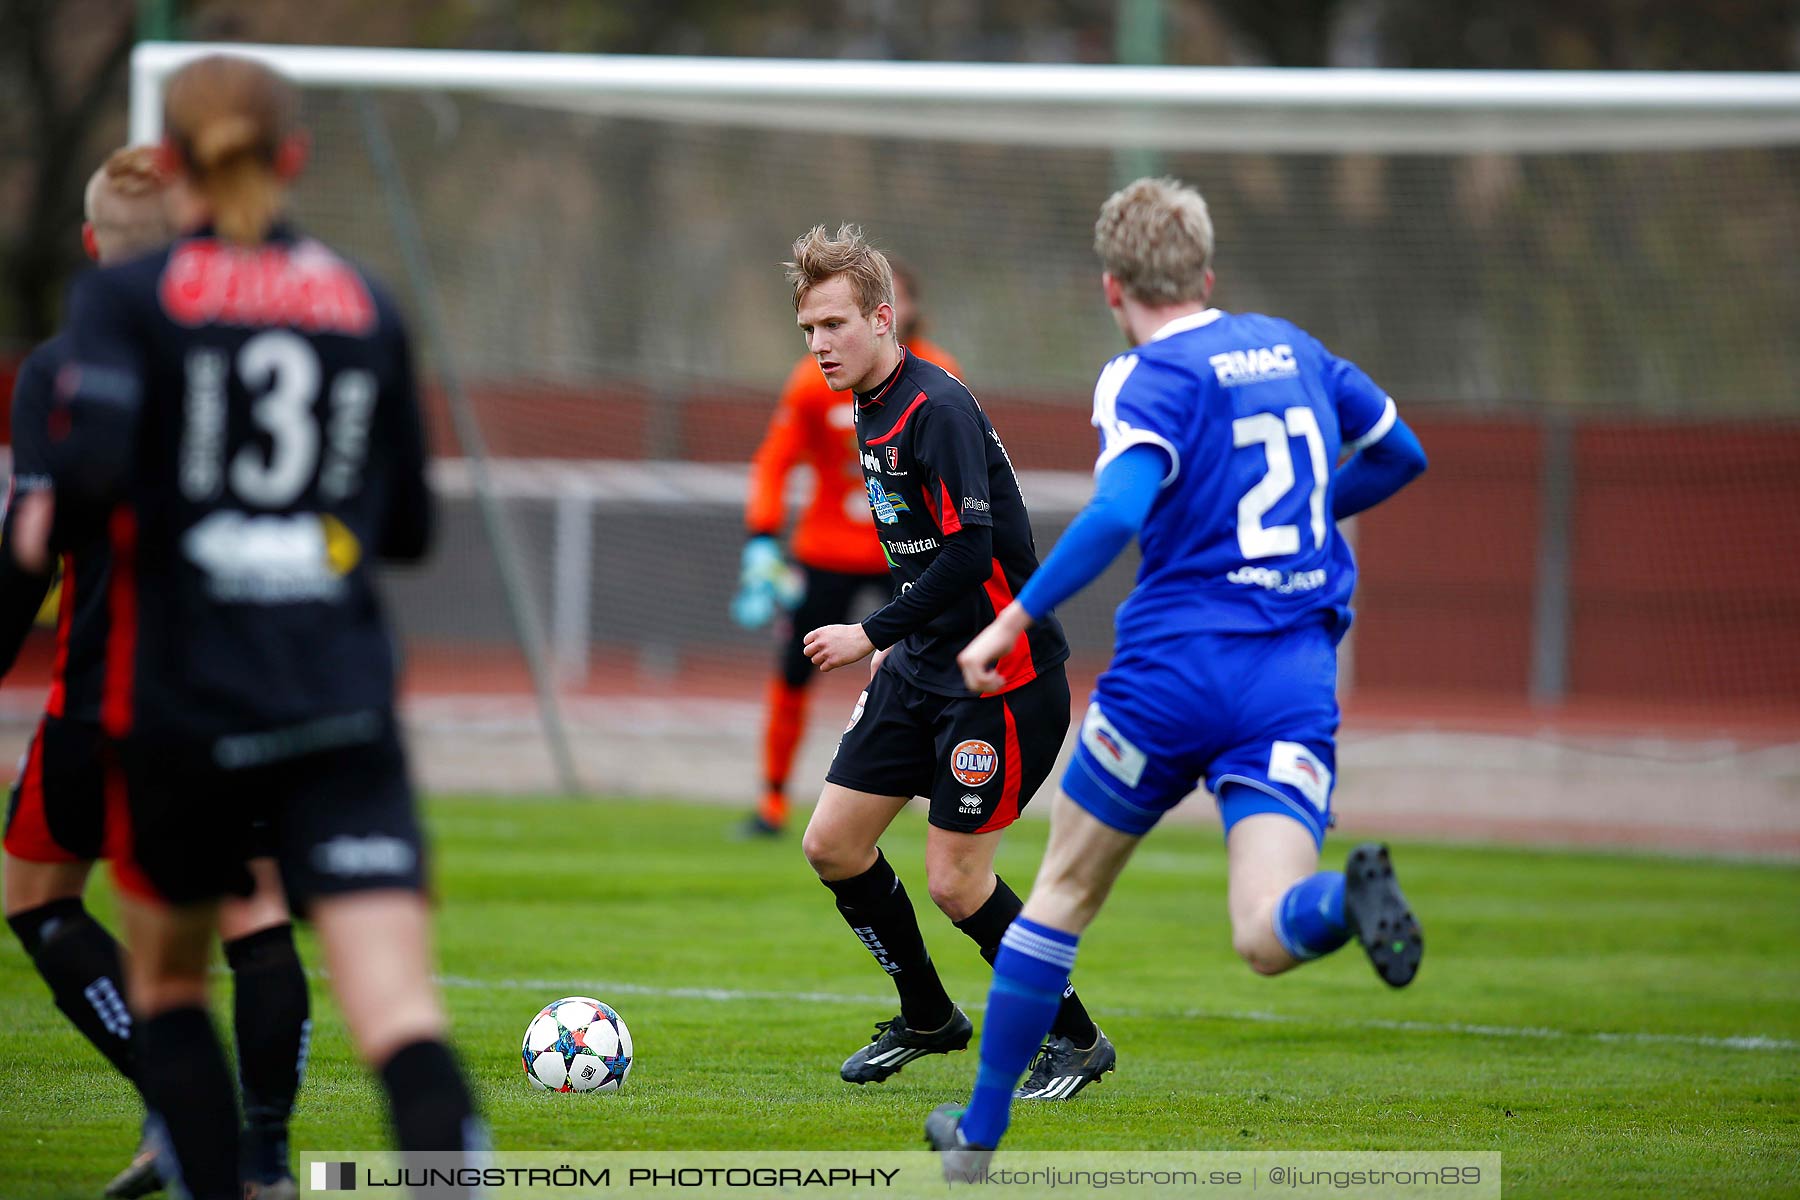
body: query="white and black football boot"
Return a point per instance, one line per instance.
(963, 1162)
(1379, 915)
(895, 1045)
(1062, 1068)
(142, 1177)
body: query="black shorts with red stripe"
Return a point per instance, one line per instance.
(57, 813)
(979, 759)
(338, 816)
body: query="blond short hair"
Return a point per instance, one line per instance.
(124, 201)
(820, 257)
(130, 173)
(1156, 238)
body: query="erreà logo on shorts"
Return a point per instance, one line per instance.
(974, 762)
(1259, 365)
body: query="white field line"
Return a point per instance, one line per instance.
(568, 987)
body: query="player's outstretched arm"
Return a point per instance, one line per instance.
(1122, 499)
(99, 394)
(765, 510)
(411, 518)
(1377, 470)
(765, 581)
(22, 592)
(832, 646)
(98, 397)
(962, 565)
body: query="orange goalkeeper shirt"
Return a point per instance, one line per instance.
(814, 425)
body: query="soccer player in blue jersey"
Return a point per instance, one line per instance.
(1219, 434)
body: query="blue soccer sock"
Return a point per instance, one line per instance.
(1030, 973)
(1309, 918)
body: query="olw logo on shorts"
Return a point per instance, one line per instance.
(974, 762)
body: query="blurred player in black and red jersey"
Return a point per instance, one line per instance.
(834, 541)
(958, 544)
(56, 818)
(241, 426)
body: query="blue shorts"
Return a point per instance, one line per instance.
(1253, 715)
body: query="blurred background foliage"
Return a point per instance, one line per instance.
(63, 66)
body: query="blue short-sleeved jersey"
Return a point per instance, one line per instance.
(1254, 413)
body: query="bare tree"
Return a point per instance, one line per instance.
(64, 65)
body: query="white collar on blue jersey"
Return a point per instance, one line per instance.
(1183, 324)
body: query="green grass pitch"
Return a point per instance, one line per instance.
(1611, 1024)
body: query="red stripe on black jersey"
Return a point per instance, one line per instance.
(128, 876)
(936, 473)
(951, 521)
(893, 433)
(1016, 667)
(28, 835)
(1007, 811)
(121, 641)
(65, 619)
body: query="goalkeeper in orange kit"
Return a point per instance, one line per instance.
(833, 545)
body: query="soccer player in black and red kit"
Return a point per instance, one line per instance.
(56, 817)
(239, 422)
(958, 543)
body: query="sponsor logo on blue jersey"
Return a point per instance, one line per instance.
(1283, 582)
(1263, 364)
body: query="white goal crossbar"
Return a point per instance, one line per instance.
(1289, 109)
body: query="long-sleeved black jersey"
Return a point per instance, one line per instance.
(953, 525)
(79, 666)
(242, 429)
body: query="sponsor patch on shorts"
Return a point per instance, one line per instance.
(1290, 762)
(974, 762)
(971, 805)
(354, 857)
(1110, 748)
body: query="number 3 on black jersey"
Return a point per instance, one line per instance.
(281, 371)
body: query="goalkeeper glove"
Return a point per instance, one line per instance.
(764, 581)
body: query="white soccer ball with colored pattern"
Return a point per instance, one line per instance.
(577, 1044)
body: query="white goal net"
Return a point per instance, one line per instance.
(1579, 287)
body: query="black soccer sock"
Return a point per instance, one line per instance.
(987, 925)
(270, 1012)
(186, 1082)
(81, 963)
(433, 1112)
(429, 1099)
(878, 912)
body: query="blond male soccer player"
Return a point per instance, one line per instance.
(958, 542)
(55, 824)
(1218, 437)
(834, 541)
